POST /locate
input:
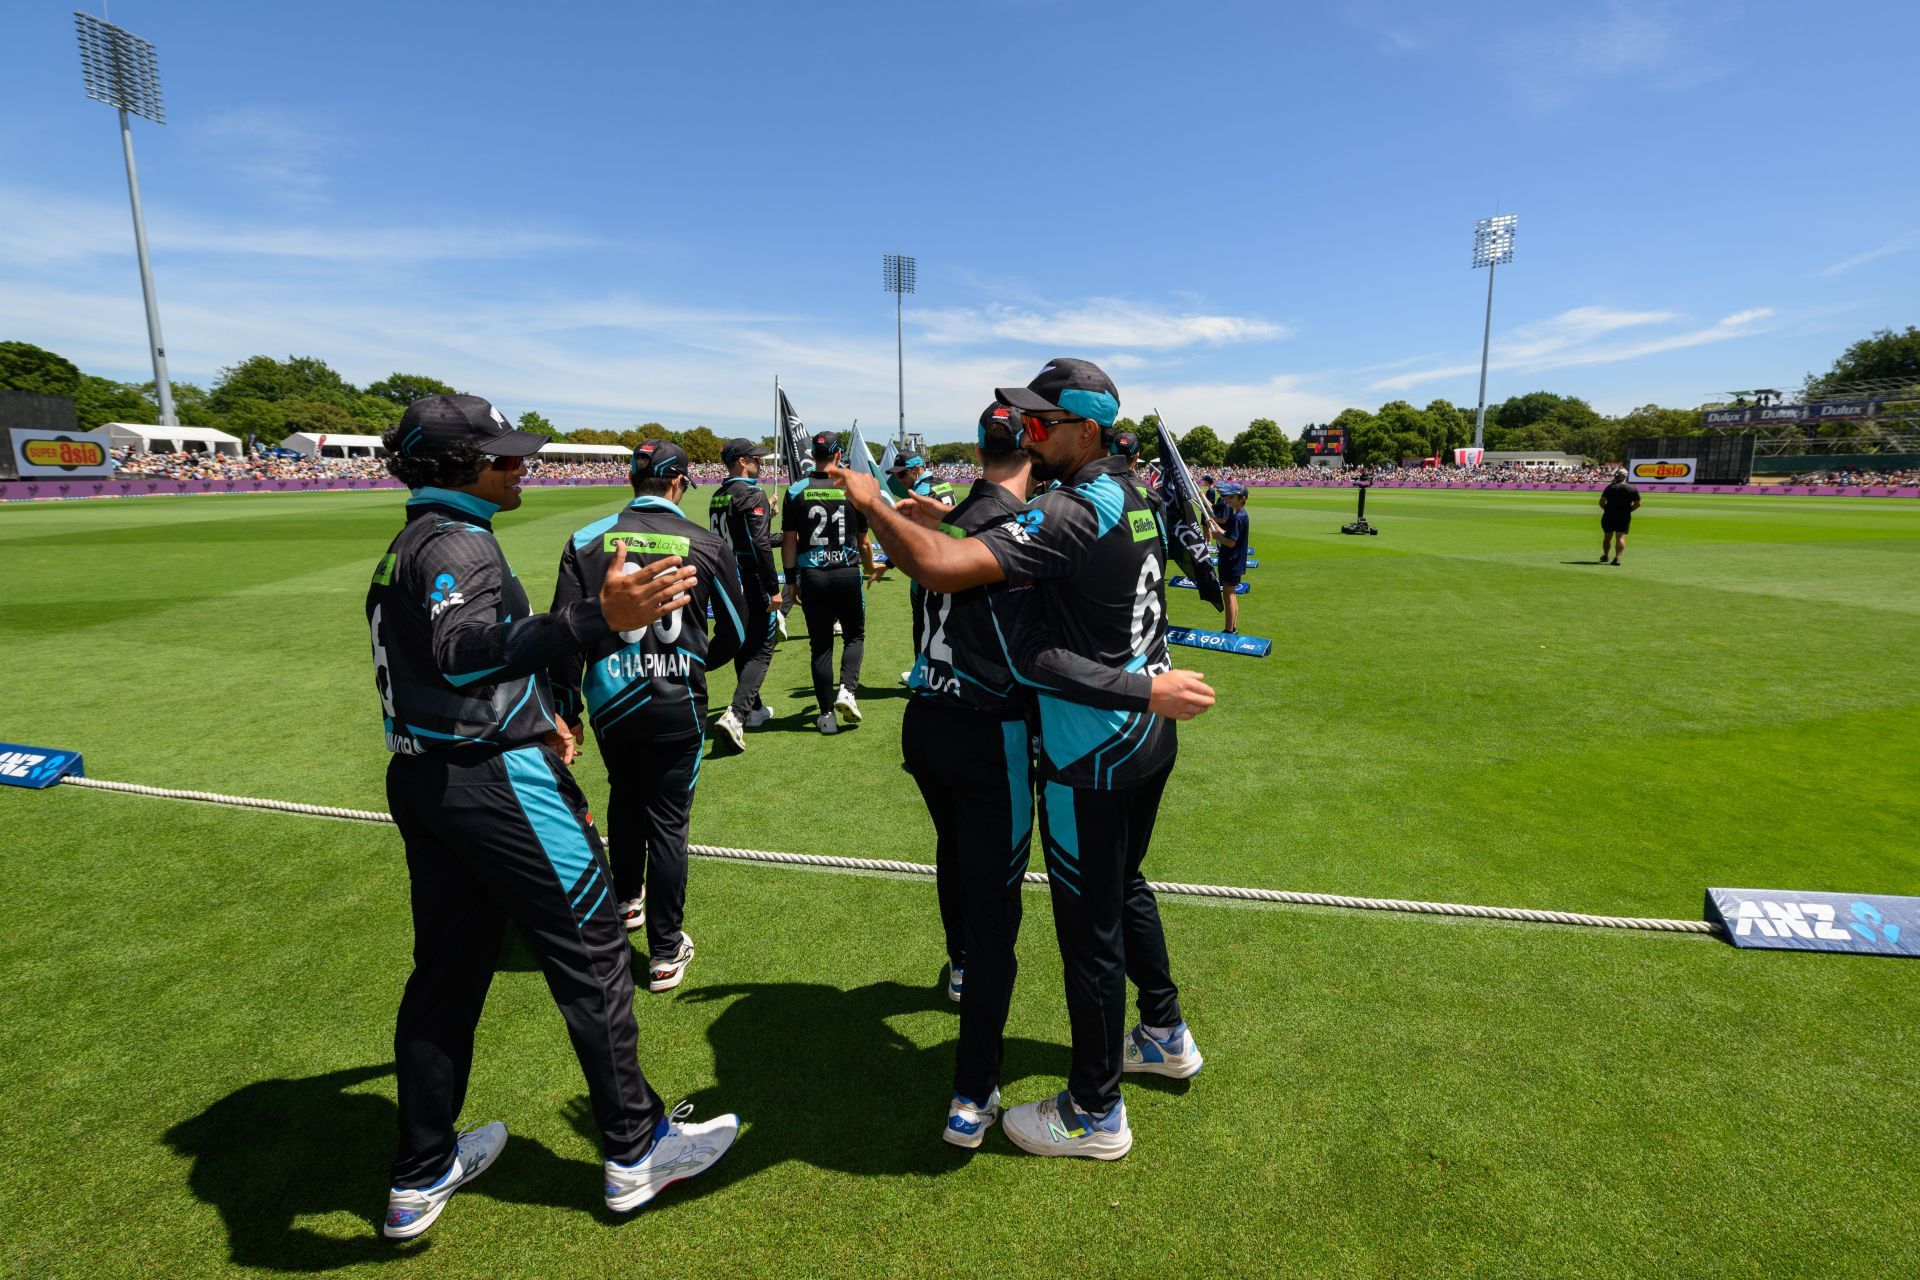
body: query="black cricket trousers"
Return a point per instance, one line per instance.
(975, 772)
(1108, 925)
(756, 654)
(493, 836)
(828, 596)
(649, 807)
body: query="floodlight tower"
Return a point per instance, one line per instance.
(1492, 247)
(121, 71)
(897, 270)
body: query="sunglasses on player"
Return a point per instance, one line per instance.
(507, 464)
(1038, 428)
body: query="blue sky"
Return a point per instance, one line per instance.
(647, 212)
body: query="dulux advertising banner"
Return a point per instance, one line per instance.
(1661, 470)
(1866, 924)
(62, 453)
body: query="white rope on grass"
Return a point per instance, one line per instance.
(1230, 892)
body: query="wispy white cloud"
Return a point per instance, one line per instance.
(1652, 46)
(38, 229)
(1098, 323)
(1899, 244)
(278, 155)
(1586, 336)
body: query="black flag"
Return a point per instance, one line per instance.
(795, 447)
(1187, 518)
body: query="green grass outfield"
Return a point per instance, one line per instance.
(196, 1002)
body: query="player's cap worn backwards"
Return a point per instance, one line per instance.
(663, 460)
(740, 447)
(435, 423)
(1079, 387)
(902, 464)
(826, 444)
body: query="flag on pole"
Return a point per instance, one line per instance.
(1186, 519)
(795, 449)
(859, 458)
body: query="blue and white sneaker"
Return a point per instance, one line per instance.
(955, 982)
(1055, 1127)
(968, 1121)
(680, 1151)
(1177, 1056)
(410, 1211)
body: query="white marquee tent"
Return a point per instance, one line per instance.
(336, 446)
(146, 439)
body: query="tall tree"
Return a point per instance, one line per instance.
(1886, 354)
(1200, 447)
(98, 401)
(1260, 445)
(534, 421)
(701, 445)
(404, 388)
(295, 378)
(317, 417)
(25, 367)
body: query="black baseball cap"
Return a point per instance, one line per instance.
(434, 424)
(740, 447)
(1001, 430)
(1077, 386)
(1126, 444)
(902, 463)
(662, 460)
(826, 443)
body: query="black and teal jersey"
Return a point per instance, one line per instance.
(741, 515)
(959, 658)
(939, 490)
(829, 528)
(459, 662)
(1083, 621)
(649, 685)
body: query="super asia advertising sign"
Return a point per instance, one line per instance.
(62, 453)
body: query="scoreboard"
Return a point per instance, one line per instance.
(1331, 441)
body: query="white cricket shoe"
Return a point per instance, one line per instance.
(665, 975)
(968, 1121)
(680, 1151)
(729, 724)
(1177, 1056)
(906, 677)
(827, 724)
(782, 624)
(1055, 1127)
(955, 982)
(633, 912)
(759, 716)
(410, 1212)
(836, 629)
(845, 707)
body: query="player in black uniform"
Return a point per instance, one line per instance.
(824, 548)
(741, 515)
(908, 478)
(1618, 501)
(965, 740)
(646, 691)
(495, 828)
(1086, 564)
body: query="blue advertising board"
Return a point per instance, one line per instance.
(1866, 924)
(1220, 641)
(36, 767)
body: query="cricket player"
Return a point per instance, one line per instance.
(825, 550)
(1089, 557)
(646, 691)
(494, 826)
(741, 514)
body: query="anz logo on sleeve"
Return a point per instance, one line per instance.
(1785, 920)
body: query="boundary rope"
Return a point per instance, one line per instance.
(765, 856)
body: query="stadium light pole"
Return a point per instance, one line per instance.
(1492, 247)
(897, 271)
(121, 71)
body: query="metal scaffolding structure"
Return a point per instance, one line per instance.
(1870, 416)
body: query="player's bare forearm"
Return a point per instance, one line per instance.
(933, 560)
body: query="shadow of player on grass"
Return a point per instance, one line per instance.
(276, 1151)
(818, 1075)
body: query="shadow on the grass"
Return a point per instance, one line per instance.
(818, 1075)
(276, 1151)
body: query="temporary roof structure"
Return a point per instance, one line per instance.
(151, 439)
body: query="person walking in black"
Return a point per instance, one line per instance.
(741, 515)
(825, 551)
(494, 826)
(646, 691)
(1618, 501)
